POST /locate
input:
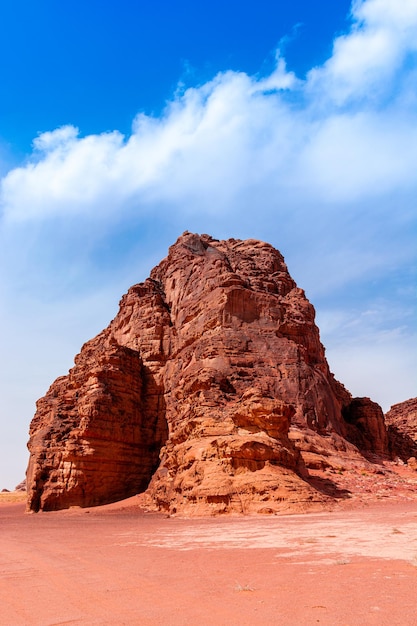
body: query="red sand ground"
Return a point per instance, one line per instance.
(117, 565)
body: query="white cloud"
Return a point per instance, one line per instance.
(57, 140)
(236, 134)
(280, 77)
(400, 16)
(67, 175)
(365, 61)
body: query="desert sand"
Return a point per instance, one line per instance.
(117, 564)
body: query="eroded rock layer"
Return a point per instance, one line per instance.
(210, 390)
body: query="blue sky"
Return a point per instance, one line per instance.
(96, 64)
(123, 125)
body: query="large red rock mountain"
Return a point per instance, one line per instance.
(209, 391)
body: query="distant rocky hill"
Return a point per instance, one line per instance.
(401, 420)
(209, 391)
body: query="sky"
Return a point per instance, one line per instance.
(124, 124)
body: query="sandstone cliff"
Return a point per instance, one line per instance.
(210, 390)
(401, 420)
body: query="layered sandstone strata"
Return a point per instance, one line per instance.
(210, 390)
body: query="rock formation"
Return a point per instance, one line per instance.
(401, 420)
(366, 425)
(210, 390)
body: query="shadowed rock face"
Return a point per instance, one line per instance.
(366, 426)
(210, 390)
(401, 420)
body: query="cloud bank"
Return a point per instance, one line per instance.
(346, 132)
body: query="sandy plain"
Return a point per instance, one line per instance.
(120, 565)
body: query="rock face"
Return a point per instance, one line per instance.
(210, 390)
(366, 425)
(401, 420)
